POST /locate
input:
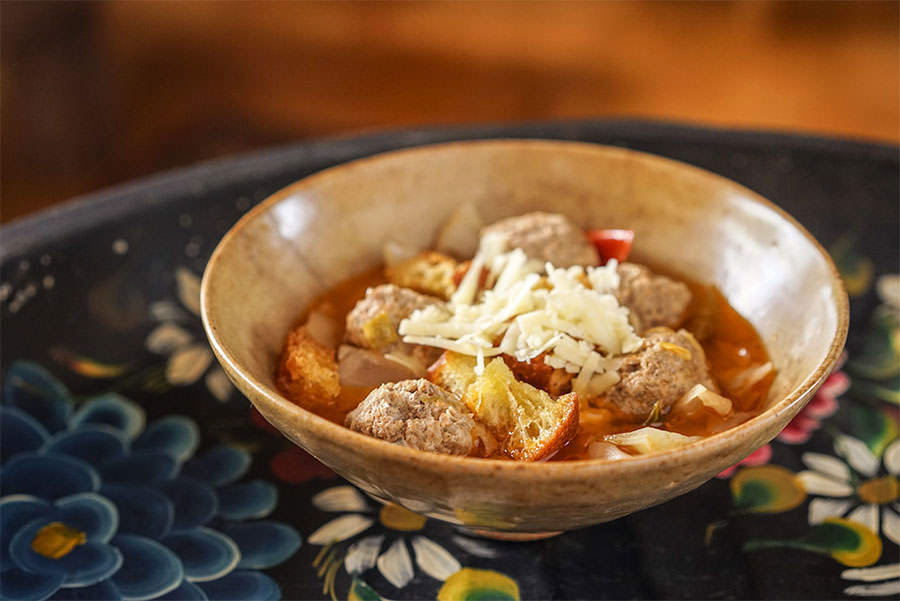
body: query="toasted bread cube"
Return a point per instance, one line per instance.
(428, 272)
(453, 372)
(530, 424)
(307, 372)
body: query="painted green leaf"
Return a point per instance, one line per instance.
(848, 542)
(880, 355)
(86, 366)
(470, 584)
(360, 591)
(856, 269)
(766, 489)
(888, 391)
(876, 428)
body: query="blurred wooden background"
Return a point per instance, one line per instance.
(98, 93)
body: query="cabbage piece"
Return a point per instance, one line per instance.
(394, 252)
(650, 440)
(362, 367)
(322, 326)
(459, 236)
(750, 377)
(701, 395)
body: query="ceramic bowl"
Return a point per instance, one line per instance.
(331, 225)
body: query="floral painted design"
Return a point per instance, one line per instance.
(857, 270)
(179, 336)
(856, 485)
(99, 504)
(766, 489)
(853, 511)
(854, 501)
(76, 534)
(876, 369)
(853, 492)
(388, 536)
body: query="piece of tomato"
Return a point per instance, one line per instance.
(611, 244)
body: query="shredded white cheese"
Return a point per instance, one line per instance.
(529, 309)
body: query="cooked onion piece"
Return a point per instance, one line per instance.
(322, 327)
(605, 450)
(459, 236)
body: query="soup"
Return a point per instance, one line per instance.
(511, 355)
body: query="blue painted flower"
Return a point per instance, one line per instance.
(64, 544)
(95, 505)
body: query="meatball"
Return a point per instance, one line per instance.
(416, 414)
(653, 300)
(373, 322)
(543, 236)
(667, 365)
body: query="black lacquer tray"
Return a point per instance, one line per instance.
(118, 424)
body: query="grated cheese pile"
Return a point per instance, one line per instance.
(527, 309)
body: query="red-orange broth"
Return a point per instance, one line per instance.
(730, 342)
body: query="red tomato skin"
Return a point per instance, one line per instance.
(611, 244)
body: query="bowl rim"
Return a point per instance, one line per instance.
(361, 443)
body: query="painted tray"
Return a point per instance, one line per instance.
(131, 469)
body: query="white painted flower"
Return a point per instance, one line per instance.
(857, 486)
(189, 356)
(395, 562)
(879, 581)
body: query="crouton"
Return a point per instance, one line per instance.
(428, 272)
(453, 372)
(307, 372)
(528, 423)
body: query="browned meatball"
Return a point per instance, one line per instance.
(667, 365)
(653, 300)
(373, 322)
(416, 414)
(543, 236)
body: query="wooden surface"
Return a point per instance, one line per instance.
(98, 93)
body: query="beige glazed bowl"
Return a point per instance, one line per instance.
(331, 225)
